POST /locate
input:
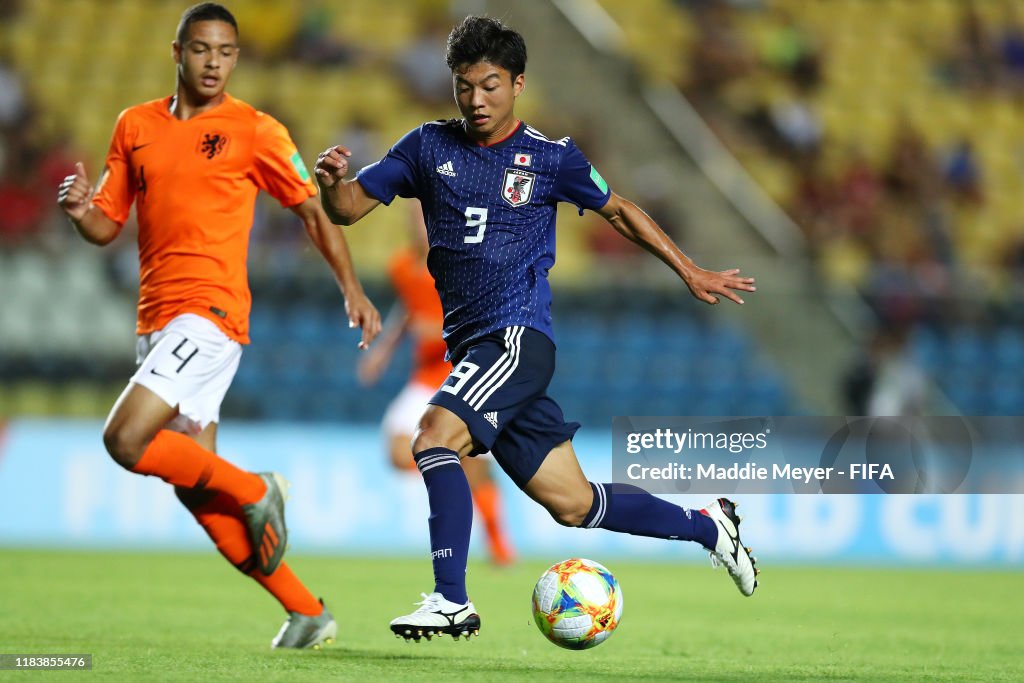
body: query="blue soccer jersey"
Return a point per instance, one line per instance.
(490, 215)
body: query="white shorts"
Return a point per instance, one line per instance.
(189, 364)
(406, 409)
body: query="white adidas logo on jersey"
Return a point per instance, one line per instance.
(447, 169)
(492, 418)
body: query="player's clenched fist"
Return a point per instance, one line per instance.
(332, 165)
(73, 194)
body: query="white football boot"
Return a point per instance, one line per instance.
(729, 550)
(302, 632)
(437, 616)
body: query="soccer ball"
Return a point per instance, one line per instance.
(577, 604)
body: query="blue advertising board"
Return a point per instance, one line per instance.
(59, 488)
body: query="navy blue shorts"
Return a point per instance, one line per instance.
(498, 388)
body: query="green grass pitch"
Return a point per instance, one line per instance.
(190, 617)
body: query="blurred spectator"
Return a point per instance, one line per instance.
(910, 172)
(1013, 256)
(886, 380)
(796, 125)
(827, 208)
(720, 55)
(29, 172)
(907, 282)
(1011, 51)
(1011, 290)
(900, 387)
(13, 106)
(362, 138)
(972, 62)
(314, 42)
(792, 50)
(421, 63)
(23, 207)
(962, 173)
(934, 221)
(860, 194)
(814, 204)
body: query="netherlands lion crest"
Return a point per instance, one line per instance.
(212, 144)
(517, 187)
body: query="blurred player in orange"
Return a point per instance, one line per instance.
(193, 163)
(418, 314)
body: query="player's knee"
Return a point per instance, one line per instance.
(428, 437)
(441, 429)
(124, 445)
(569, 512)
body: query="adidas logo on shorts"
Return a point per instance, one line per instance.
(492, 418)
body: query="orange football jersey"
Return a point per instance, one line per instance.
(415, 288)
(194, 184)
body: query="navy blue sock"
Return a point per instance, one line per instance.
(451, 519)
(631, 510)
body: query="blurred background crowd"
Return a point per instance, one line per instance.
(888, 132)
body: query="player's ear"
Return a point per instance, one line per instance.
(176, 51)
(518, 85)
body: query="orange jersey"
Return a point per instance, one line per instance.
(415, 288)
(194, 184)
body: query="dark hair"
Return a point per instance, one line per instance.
(482, 39)
(204, 11)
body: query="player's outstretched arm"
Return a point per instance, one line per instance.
(373, 364)
(75, 197)
(636, 226)
(330, 241)
(344, 201)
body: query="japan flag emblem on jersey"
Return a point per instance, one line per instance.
(518, 186)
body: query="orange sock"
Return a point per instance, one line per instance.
(180, 461)
(222, 518)
(488, 502)
(289, 591)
